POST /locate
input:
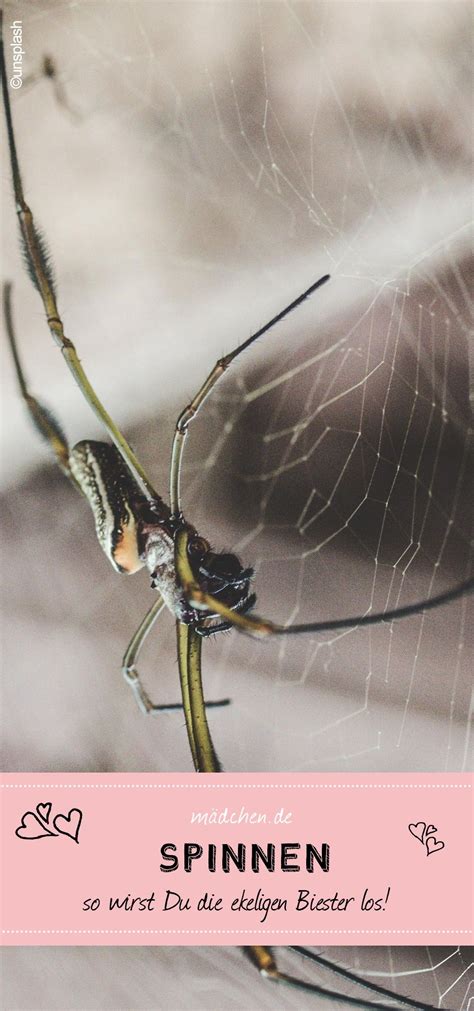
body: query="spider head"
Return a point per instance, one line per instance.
(222, 575)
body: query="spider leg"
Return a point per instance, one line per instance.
(182, 641)
(129, 670)
(42, 418)
(261, 627)
(40, 273)
(215, 374)
(251, 624)
(199, 736)
(132, 676)
(359, 980)
(262, 958)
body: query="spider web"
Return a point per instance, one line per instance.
(203, 165)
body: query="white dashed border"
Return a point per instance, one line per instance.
(226, 786)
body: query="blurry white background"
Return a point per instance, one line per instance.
(214, 160)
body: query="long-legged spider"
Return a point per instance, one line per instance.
(207, 592)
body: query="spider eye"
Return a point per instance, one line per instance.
(198, 546)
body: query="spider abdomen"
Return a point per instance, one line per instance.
(112, 495)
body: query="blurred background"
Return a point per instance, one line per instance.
(194, 167)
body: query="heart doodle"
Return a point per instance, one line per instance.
(44, 811)
(69, 824)
(432, 845)
(418, 830)
(430, 830)
(31, 827)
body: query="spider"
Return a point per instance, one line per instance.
(206, 591)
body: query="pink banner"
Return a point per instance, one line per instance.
(237, 859)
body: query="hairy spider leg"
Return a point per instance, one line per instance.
(130, 657)
(43, 420)
(260, 628)
(131, 674)
(263, 959)
(189, 661)
(221, 366)
(339, 970)
(41, 276)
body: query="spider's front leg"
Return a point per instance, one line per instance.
(43, 420)
(39, 269)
